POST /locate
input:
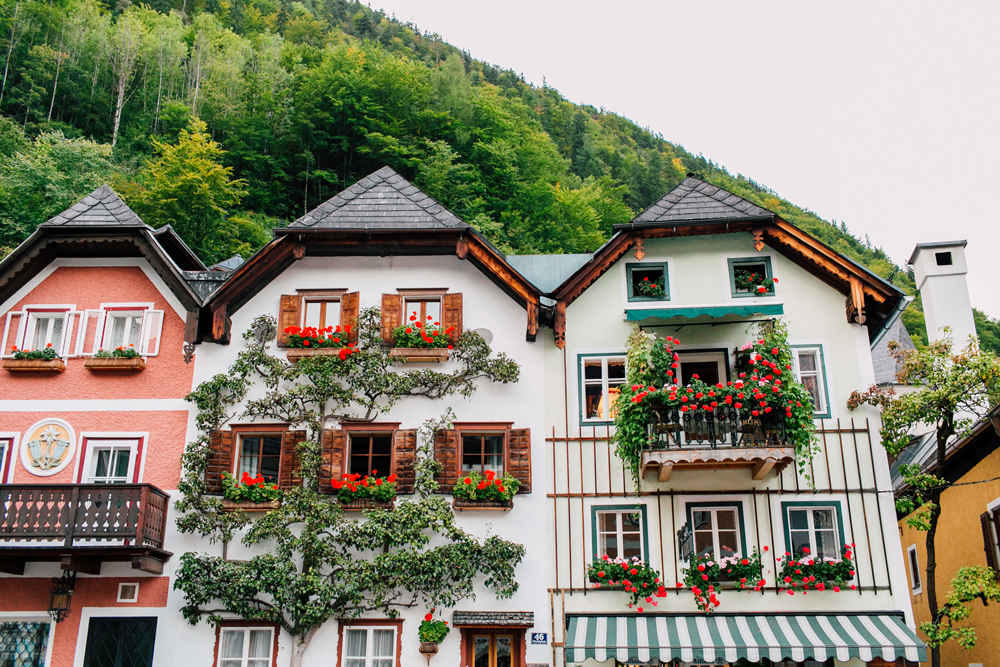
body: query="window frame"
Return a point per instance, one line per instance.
(812, 504)
(741, 527)
(422, 295)
(734, 262)
(323, 296)
(913, 565)
(370, 623)
(597, 510)
(240, 430)
(136, 442)
(230, 624)
(629, 287)
(391, 434)
(605, 387)
(482, 428)
(110, 310)
(34, 617)
(368, 428)
(827, 411)
(708, 353)
(26, 318)
(122, 585)
(9, 441)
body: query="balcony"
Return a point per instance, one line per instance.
(722, 438)
(82, 526)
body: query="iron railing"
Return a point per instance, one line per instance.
(723, 426)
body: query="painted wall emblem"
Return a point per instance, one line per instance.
(48, 447)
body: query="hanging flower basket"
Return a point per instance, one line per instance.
(34, 365)
(462, 504)
(115, 363)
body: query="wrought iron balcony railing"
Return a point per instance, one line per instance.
(723, 426)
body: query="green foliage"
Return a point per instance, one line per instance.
(806, 572)
(47, 354)
(118, 353)
(247, 489)
(431, 631)
(475, 486)
(706, 576)
(638, 579)
(968, 585)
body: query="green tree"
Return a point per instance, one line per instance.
(187, 186)
(952, 391)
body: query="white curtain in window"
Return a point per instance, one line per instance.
(382, 648)
(232, 648)
(260, 648)
(357, 643)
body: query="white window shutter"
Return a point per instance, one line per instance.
(6, 343)
(97, 317)
(152, 327)
(66, 345)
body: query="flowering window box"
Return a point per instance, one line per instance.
(115, 364)
(249, 506)
(462, 504)
(361, 504)
(295, 354)
(420, 354)
(34, 365)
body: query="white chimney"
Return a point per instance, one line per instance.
(940, 269)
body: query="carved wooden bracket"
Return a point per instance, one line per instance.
(299, 250)
(188, 352)
(758, 239)
(559, 324)
(462, 248)
(639, 252)
(532, 331)
(856, 303)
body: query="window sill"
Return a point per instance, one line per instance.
(247, 506)
(367, 504)
(296, 353)
(113, 364)
(431, 355)
(34, 365)
(463, 505)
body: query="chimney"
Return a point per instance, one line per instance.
(940, 269)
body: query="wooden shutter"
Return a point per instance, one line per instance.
(405, 455)
(446, 453)
(220, 460)
(519, 457)
(451, 313)
(288, 316)
(390, 318)
(331, 468)
(988, 542)
(349, 315)
(290, 471)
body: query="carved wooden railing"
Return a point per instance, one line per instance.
(724, 426)
(129, 514)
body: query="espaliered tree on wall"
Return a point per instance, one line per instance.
(314, 563)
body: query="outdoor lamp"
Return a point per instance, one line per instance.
(62, 594)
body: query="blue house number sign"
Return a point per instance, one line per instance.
(539, 638)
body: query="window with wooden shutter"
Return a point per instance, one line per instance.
(446, 454)
(349, 307)
(519, 457)
(331, 468)
(288, 316)
(290, 472)
(391, 305)
(451, 305)
(220, 460)
(989, 541)
(404, 456)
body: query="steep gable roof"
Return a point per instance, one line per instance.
(101, 207)
(694, 199)
(382, 201)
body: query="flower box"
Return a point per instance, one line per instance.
(296, 353)
(34, 365)
(462, 504)
(420, 354)
(247, 506)
(361, 504)
(115, 364)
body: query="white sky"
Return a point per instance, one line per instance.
(880, 114)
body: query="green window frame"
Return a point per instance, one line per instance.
(736, 262)
(631, 268)
(819, 412)
(813, 504)
(605, 382)
(726, 504)
(643, 526)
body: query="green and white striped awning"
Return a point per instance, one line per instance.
(750, 636)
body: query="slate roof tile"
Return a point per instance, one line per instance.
(100, 207)
(382, 200)
(694, 199)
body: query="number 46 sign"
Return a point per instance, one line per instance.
(539, 638)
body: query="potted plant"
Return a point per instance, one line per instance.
(706, 577)
(814, 573)
(650, 288)
(357, 493)
(750, 281)
(422, 341)
(248, 493)
(635, 577)
(475, 491)
(314, 342)
(121, 358)
(26, 360)
(431, 634)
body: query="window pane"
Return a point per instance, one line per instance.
(632, 545)
(616, 370)
(728, 543)
(608, 521)
(122, 457)
(811, 383)
(258, 663)
(826, 544)
(271, 458)
(231, 663)
(609, 545)
(382, 643)
(494, 453)
(798, 519)
(232, 643)
(703, 545)
(631, 521)
(594, 402)
(103, 457)
(260, 643)
(707, 371)
(313, 309)
(592, 369)
(482, 651)
(823, 519)
(472, 452)
(800, 542)
(503, 651)
(354, 663)
(357, 643)
(702, 520)
(726, 519)
(807, 361)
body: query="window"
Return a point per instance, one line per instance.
(492, 650)
(246, 647)
(24, 644)
(482, 452)
(422, 309)
(128, 592)
(371, 452)
(36, 327)
(748, 275)
(320, 311)
(942, 258)
(647, 282)
(372, 646)
(716, 531)
(813, 527)
(602, 378)
(260, 455)
(120, 642)
(991, 531)
(709, 367)
(812, 374)
(110, 460)
(911, 556)
(127, 325)
(6, 455)
(123, 329)
(618, 532)
(45, 329)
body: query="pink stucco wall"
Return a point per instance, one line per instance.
(33, 595)
(162, 451)
(166, 375)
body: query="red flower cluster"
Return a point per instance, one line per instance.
(255, 481)
(326, 337)
(428, 334)
(354, 487)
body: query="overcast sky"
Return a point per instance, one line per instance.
(879, 114)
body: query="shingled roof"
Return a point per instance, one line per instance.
(383, 201)
(100, 207)
(694, 199)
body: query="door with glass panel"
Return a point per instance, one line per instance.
(370, 647)
(246, 647)
(492, 650)
(120, 642)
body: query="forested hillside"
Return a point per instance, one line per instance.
(226, 118)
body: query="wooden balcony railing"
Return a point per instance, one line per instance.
(67, 515)
(724, 426)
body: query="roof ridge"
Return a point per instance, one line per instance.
(102, 207)
(686, 201)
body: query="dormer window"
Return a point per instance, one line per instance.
(751, 277)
